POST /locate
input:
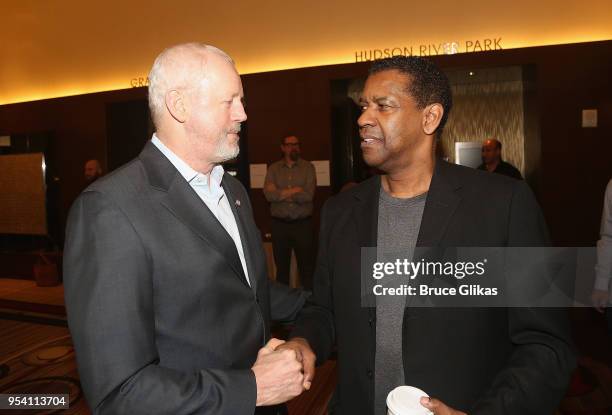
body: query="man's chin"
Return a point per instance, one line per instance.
(228, 155)
(371, 160)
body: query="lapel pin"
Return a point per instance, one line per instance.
(237, 203)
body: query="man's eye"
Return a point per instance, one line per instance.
(363, 108)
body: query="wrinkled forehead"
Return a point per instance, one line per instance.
(216, 67)
(218, 79)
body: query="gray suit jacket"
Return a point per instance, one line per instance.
(161, 315)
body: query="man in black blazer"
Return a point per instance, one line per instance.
(471, 360)
(166, 287)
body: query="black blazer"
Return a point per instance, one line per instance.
(161, 315)
(479, 360)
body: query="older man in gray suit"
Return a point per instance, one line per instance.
(166, 289)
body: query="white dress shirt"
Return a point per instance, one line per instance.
(212, 195)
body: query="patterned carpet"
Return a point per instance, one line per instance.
(36, 356)
(49, 367)
(32, 364)
(46, 368)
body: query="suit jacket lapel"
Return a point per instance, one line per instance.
(237, 209)
(365, 212)
(365, 217)
(442, 201)
(183, 202)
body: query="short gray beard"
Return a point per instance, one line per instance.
(225, 152)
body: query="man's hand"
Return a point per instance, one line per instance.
(600, 300)
(305, 355)
(278, 374)
(438, 407)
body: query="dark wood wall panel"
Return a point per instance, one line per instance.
(576, 163)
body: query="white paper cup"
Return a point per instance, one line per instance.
(405, 400)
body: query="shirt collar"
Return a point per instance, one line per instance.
(191, 176)
(297, 162)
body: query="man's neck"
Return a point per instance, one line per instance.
(290, 162)
(199, 166)
(410, 181)
(184, 154)
(493, 165)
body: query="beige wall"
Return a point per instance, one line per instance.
(64, 47)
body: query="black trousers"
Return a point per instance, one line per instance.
(296, 235)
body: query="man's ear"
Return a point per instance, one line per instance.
(177, 105)
(432, 116)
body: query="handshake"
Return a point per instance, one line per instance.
(283, 370)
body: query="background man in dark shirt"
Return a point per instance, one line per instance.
(492, 161)
(92, 171)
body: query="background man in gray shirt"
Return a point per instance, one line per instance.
(289, 187)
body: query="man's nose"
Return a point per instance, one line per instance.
(366, 119)
(240, 113)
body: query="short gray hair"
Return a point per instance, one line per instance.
(171, 70)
